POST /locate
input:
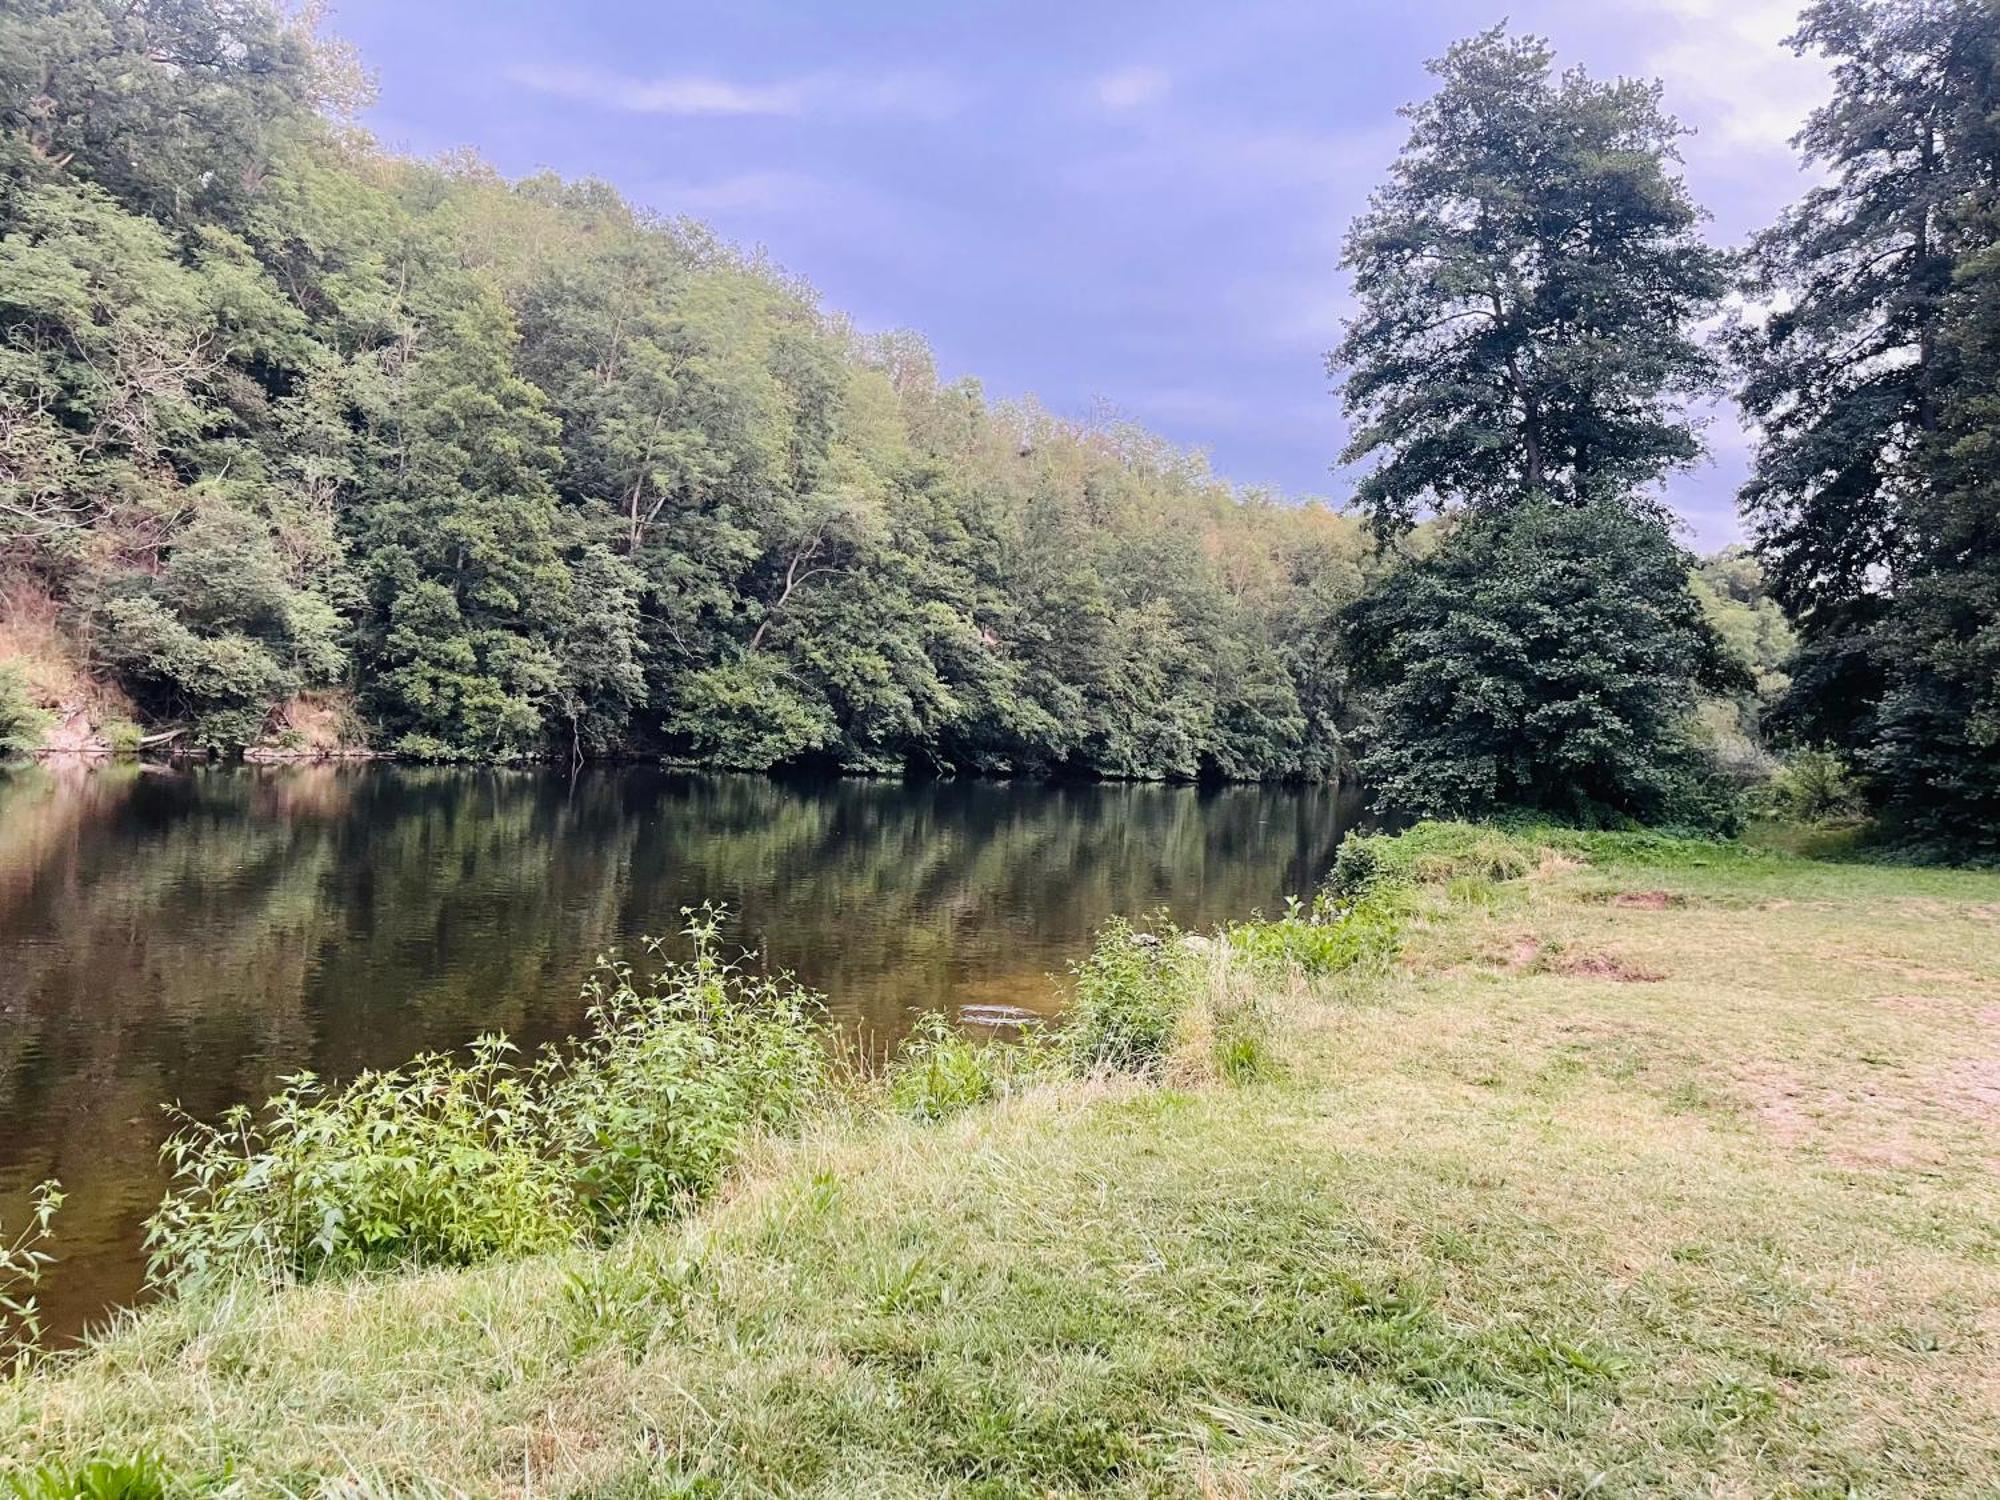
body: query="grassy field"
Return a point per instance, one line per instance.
(1656, 1169)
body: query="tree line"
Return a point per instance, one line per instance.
(297, 432)
(1534, 290)
(303, 442)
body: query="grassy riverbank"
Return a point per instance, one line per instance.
(1645, 1167)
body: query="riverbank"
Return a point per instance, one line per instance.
(1646, 1167)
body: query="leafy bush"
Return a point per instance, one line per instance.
(1545, 657)
(940, 1072)
(1326, 938)
(1813, 786)
(21, 722)
(451, 1161)
(1130, 996)
(655, 1106)
(442, 1162)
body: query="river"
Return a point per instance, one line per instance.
(190, 935)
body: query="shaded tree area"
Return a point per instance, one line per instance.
(1873, 384)
(293, 431)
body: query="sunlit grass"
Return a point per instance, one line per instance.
(1656, 1169)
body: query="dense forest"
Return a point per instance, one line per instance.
(305, 445)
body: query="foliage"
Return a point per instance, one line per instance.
(1128, 999)
(453, 1161)
(21, 720)
(1326, 937)
(939, 1072)
(1871, 381)
(1812, 786)
(1530, 281)
(1544, 658)
(523, 470)
(1368, 864)
(22, 1261)
(140, 1478)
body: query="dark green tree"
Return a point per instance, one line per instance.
(1530, 279)
(1547, 657)
(1871, 382)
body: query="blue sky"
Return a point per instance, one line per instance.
(1135, 205)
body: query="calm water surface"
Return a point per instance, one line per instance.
(191, 935)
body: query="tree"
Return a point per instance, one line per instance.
(508, 469)
(1530, 280)
(1870, 379)
(1544, 657)
(1529, 284)
(1934, 750)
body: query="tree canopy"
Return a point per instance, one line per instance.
(1871, 378)
(296, 431)
(1530, 279)
(1529, 283)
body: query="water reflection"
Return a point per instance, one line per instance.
(192, 935)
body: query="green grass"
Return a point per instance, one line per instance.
(1646, 1167)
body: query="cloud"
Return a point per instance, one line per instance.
(691, 95)
(1728, 73)
(912, 94)
(1132, 87)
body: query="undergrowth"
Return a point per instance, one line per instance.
(454, 1160)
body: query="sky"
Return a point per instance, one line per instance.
(1105, 205)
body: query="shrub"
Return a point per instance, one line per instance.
(940, 1072)
(1326, 938)
(451, 1161)
(674, 1079)
(21, 722)
(1812, 786)
(441, 1162)
(1130, 995)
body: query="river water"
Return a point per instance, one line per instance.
(190, 935)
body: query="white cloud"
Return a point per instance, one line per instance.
(1728, 73)
(913, 94)
(691, 95)
(1131, 88)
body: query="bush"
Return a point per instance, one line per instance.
(22, 1261)
(1326, 938)
(21, 722)
(1812, 786)
(1545, 658)
(940, 1072)
(1130, 996)
(450, 1161)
